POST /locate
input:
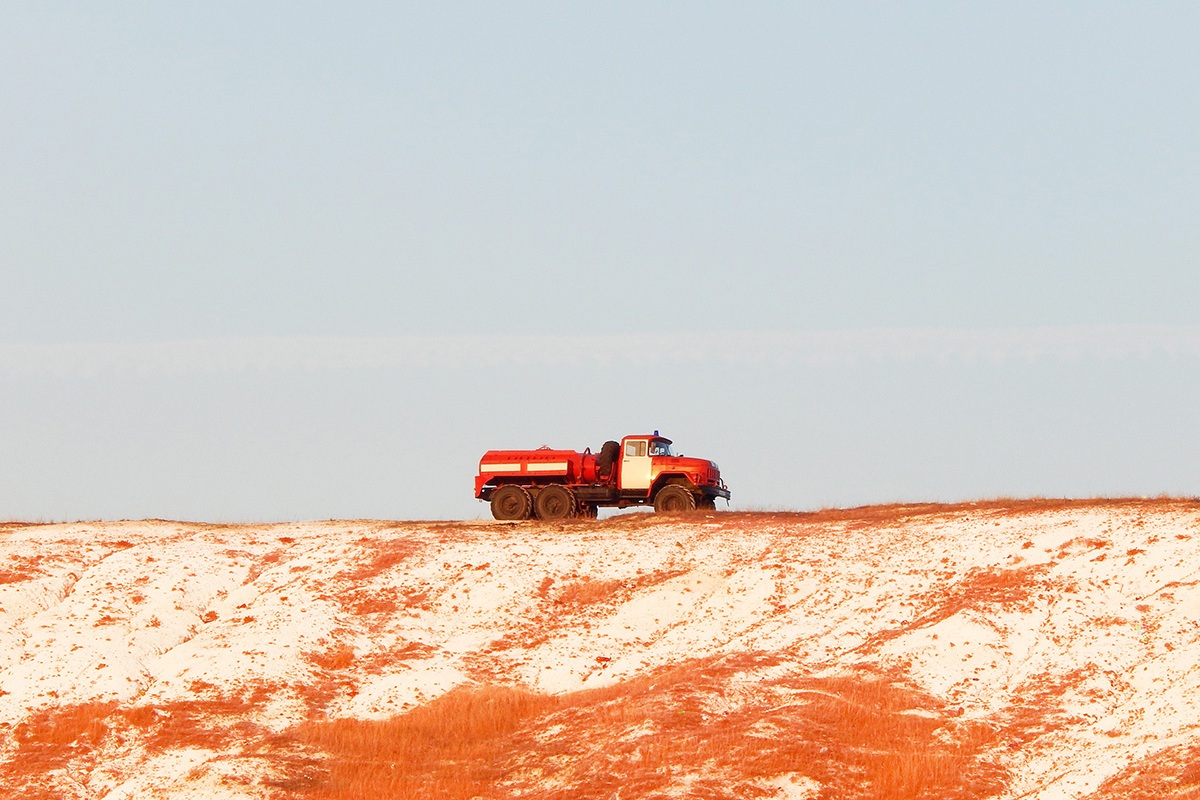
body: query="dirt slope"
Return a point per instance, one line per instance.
(1025, 649)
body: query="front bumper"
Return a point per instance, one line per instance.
(714, 492)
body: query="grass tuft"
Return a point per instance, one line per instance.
(857, 736)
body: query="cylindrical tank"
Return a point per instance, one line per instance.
(587, 471)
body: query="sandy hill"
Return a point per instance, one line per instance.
(1007, 649)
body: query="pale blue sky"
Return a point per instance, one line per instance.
(287, 177)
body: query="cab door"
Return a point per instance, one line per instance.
(635, 465)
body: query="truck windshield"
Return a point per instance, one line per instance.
(661, 448)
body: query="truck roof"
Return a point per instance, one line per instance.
(655, 435)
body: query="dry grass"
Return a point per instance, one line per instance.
(1170, 774)
(379, 661)
(852, 735)
(338, 657)
(51, 745)
(990, 588)
(588, 591)
(339, 669)
(1037, 708)
(857, 736)
(383, 556)
(447, 748)
(981, 590)
(21, 568)
(1000, 507)
(61, 743)
(576, 594)
(870, 516)
(365, 602)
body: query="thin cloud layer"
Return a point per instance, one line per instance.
(811, 348)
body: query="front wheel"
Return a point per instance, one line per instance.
(674, 499)
(511, 502)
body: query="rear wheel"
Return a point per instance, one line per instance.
(674, 499)
(511, 502)
(555, 502)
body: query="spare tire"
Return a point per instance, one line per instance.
(609, 454)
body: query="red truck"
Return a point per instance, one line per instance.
(556, 484)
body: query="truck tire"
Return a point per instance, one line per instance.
(511, 502)
(674, 499)
(555, 502)
(609, 454)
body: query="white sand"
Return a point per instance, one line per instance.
(156, 612)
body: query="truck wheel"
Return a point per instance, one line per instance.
(609, 453)
(511, 502)
(707, 504)
(674, 499)
(555, 502)
(589, 510)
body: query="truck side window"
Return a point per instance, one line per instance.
(635, 449)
